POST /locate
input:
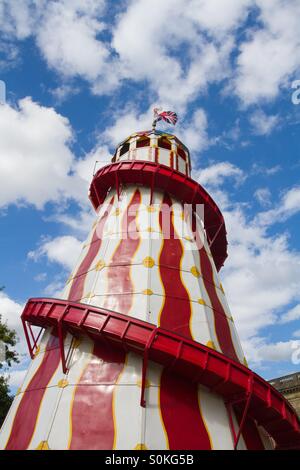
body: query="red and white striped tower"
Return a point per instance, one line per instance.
(141, 351)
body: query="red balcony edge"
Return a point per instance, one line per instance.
(198, 363)
(164, 178)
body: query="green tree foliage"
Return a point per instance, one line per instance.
(9, 338)
(5, 398)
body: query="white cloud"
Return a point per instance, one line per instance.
(261, 351)
(35, 155)
(63, 250)
(263, 196)
(127, 122)
(193, 132)
(289, 205)
(10, 312)
(262, 124)
(266, 171)
(271, 54)
(16, 377)
(291, 315)
(66, 36)
(93, 161)
(150, 34)
(215, 175)
(40, 277)
(177, 46)
(16, 19)
(261, 274)
(36, 141)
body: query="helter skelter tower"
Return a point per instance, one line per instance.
(141, 351)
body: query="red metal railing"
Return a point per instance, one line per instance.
(164, 178)
(242, 389)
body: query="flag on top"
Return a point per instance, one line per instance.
(169, 116)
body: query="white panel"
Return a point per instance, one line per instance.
(142, 153)
(59, 434)
(81, 356)
(181, 165)
(155, 434)
(155, 306)
(199, 326)
(164, 156)
(128, 417)
(216, 420)
(46, 414)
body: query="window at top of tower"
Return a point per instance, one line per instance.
(124, 148)
(181, 152)
(143, 142)
(164, 143)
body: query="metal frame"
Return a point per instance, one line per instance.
(243, 390)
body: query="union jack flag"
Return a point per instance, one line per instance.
(169, 116)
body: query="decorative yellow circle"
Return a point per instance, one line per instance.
(150, 229)
(151, 208)
(148, 262)
(140, 447)
(89, 295)
(147, 383)
(188, 238)
(147, 292)
(195, 272)
(245, 362)
(210, 344)
(182, 215)
(99, 265)
(62, 383)
(37, 351)
(76, 343)
(18, 391)
(201, 301)
(117, 211)
(221, 287)
(43, 445)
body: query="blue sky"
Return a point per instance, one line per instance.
(82, 75)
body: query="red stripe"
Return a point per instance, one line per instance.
(27, 413)
(250, 434)
(178, 398)
(118, 276)
(76, 291)
(95, 401)
(176, 313)
(181, 414)
(92, 418)
(221, 322)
